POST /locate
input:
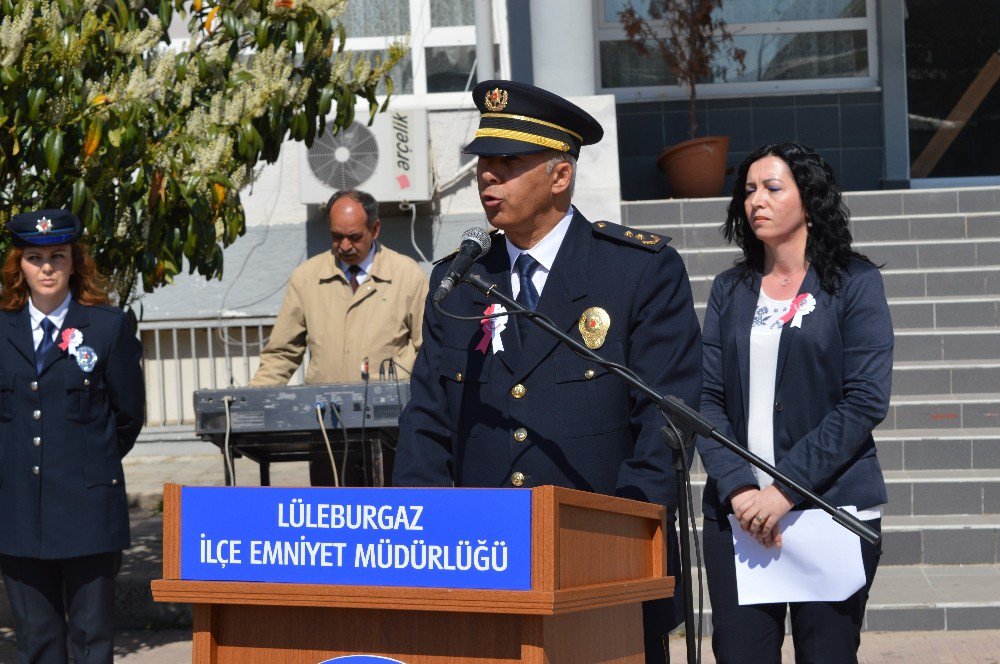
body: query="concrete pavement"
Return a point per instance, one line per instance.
(973, 647)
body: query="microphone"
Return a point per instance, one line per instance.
(475, 243)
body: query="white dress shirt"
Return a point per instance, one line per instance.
(544, 252)
(58, 316)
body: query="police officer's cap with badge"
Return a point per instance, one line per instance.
(518, 118)
(42, 228)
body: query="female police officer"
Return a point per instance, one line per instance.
(71, 406)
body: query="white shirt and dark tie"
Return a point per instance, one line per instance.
(358, 274)
(44, 339)
(529, 268)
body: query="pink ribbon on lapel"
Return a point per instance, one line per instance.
(67, 336)
(487, 325)
(794, 309)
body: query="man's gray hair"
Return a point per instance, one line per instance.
(558, 157)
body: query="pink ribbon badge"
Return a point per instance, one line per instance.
(487, 325)
(71, 338)
(802, 305)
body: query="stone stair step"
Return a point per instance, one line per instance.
(915, 314)
(934, 597)
(880, 229)
(917, 598)
(922, 492)
(940, 540)
(917, 283)
(899, 255)
(944, 343)
(946, 311)
(936, 449)
(887, 203)
(940, 492)
(945, 376)
(943, 411)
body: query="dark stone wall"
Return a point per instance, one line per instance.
(845, 128)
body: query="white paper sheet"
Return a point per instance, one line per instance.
(819, 561)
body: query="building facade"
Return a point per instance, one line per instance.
(894, 94)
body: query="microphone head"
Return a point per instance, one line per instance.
(479, 236)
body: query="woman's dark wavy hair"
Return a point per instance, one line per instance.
(828, 247)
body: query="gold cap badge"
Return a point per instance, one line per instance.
(594, 325)
(496, 100)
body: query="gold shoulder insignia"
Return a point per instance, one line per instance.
(631, 236)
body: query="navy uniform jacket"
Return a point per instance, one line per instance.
(583, 427)
(831, 390)
(63, 434)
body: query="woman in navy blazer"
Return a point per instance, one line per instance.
(797, 367)
(71, 406)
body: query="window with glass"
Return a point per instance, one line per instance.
(790, 46)
(440, 33)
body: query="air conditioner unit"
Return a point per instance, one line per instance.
(389, 159)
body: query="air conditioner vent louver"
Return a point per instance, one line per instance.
(389, 159)
(346, 159)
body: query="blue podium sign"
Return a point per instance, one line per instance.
(422, 538)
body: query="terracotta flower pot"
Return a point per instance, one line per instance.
(695, 168)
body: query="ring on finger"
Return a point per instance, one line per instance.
(760, 518)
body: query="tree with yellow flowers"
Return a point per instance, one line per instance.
(149, 142)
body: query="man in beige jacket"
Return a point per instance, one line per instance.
(359, 300)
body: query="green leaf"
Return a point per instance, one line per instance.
(53, 146)
(79, 196)
(36, 97)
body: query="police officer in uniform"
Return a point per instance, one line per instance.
(507, 405)
(71, 406)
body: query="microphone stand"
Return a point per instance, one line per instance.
(683, 422)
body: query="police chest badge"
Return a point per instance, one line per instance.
(86, 358)
(594, 325)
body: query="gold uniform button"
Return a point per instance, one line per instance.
(36, 471)
(518, 391)
(37, 414)
(459, 376)
(517, 479)
(520, 435)
(588, 374)
(114, 481)
(36, 441)
(86, 382)
(34, 386)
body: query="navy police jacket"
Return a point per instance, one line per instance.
(63, 433)
(541, 414)
(834, 375)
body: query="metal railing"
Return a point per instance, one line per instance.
(180, 357)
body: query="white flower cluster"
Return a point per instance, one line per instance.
(137, 43)
(270, 78)
(13, 30)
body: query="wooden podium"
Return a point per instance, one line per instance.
(594, 559)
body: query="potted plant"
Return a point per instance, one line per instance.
(688, 38)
